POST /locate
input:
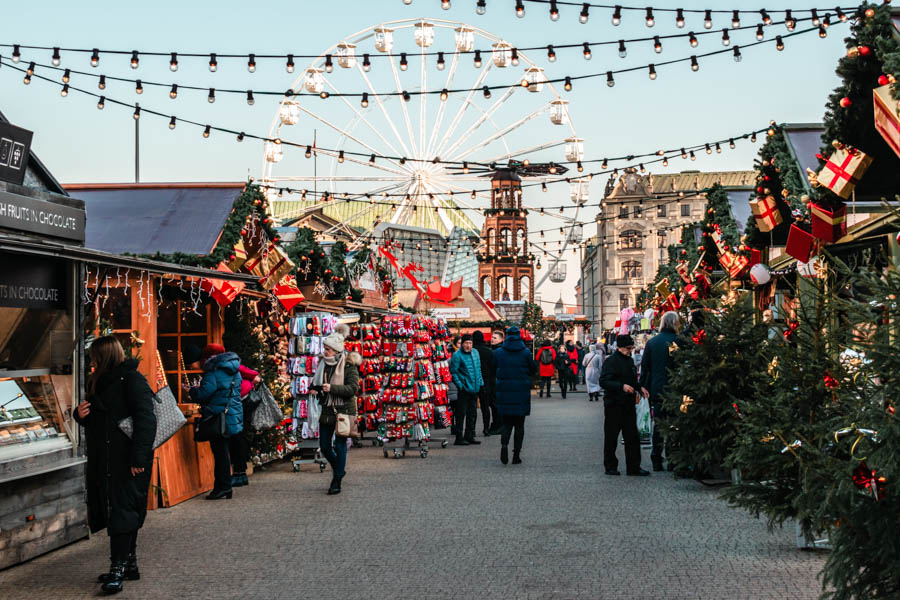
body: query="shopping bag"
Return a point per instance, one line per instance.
(268, 414)
(644, 422)
(169, 418)
(313, 412)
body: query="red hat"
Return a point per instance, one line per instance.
(211, 350)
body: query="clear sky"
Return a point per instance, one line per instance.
(81, 144)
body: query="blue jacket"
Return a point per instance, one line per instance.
(655, 364)
(465, 367)
(514, 370)
(221, 388)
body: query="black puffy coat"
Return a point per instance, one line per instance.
(488, 364)
(117, 500)
(515, 368)
(618, 370)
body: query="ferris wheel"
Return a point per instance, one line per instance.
(354, 137)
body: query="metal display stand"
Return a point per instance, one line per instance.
(317, 457)
(399, 449)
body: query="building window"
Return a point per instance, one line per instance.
(660, 239)
(623, 301)
(685, 210)
(632, 269)
(661, 210)
(623, 211)
(178, 327)
(637, 212)
(631, 240)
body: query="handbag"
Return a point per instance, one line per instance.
(346, 426)
(268, 414)
(213, 427)
(169, 418)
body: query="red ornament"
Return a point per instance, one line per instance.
(789, 332)
(256, 202)
(845, 102)
(830, 382)
(243, 232)
(276, 239)
(883, 80)
(865, 51)
(231, 257)
(699, 336)
(865, 478)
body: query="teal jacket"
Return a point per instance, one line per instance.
(465, 367)
(220, 388)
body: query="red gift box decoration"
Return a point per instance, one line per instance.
(223, 292)
(287, 293)
(271, 265)
(735, 264)
(800, 244)
(887, 116)
(765, 211)
(829, 225)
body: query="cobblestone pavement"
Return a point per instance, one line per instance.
(456, 525)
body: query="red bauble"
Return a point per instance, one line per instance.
(256, 202)
(865, 51)
(276, 239)
(883, 80)
(231, 257)
(845, 102)
(243, 232)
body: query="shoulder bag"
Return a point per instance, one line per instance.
(212, 427)
(169, 418)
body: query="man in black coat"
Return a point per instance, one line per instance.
(618, 378)
(490, 418)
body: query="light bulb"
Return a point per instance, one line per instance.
(172, 123)
(138, 87)
(64, 91)
(679, 18)
(737, 54)
(766, 19)
(101, 83)
(695, 66)
(649, 20)
(440, 61)
(66, 75)
(840, 15)
(251, 63)
(135, 61)
(520, 9)
(623, 52)
(137, 112)
(372, 160)
(789, 21)
(289, 65)
(753, 137)
(480, 7)
(822, 32)
(568, 84)
(173, 93)
(814, 17)
(323, 95)
(250, 99)
(406, 96)
(101, 103)
(683, 154)
(445, 4)
(759, 33)
(610, 82)
(444, 94)
(95, 57)
(735, 19)
(16, 53)
(718, 148)
(212, 95)
(587, 51)
(657, 44)
(692, 40)
(173, 62)
(731, 143)
(340, 158)
(514, 60)
(583, 16)
(240, 137)
(652, 73)
(206, 131)
(692, 155)
(329, 64)
(308, 152)
(617, 15)
(487, 92)
(477, 60)
(554, 11)
(779, 43)
(55, 59)
(366, 64)
(708, 149)
(213, 62)
(726, 40)
(707, 20)
(551, 53)
(403, 62)
(364, 102)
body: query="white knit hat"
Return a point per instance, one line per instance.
(335, 341)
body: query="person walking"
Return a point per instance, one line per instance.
(515, 367)
(654, 378)
(563, 369)
(581, 352)
(592, 363)
(489, 419)
(239, 445)
(118, 467)
(618, 378)
(453, 392)
(546, 359)
(574, 363)
(465, 368)
(220, 391)
(336, 382)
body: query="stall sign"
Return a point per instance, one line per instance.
(15, 143)
(33, 282)
(462, 312)
(39, 216)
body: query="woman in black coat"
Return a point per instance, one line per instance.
(515, 368)
(118, 467)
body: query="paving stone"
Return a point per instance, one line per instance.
(458, 524)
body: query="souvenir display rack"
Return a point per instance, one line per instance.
(365, 338)
(307, 334)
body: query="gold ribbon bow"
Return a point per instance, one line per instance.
(860, 432)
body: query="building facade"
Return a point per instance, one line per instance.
(641, 215)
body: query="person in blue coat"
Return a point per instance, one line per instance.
(465, 368)
(515, 368)
(654, 380)
(220, 390)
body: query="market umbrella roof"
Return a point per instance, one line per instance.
(146, 218)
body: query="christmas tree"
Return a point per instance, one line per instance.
(865, 558)
(778, 180)
(715, 372)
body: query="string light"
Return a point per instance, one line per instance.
(649, 20)
(138, 87)
(329, 64)
(814, 17)
(445, 4)
(692, 40)
(212, 95)
(766, 19)
(554, 11)
(707, 20)
(679, 18)
(735, 19)
(340, 157)
(289, 65)
(657, 44)
(737, 54)
(366, 64)
(551, 53)
(610, 82)
(652, 73)
(726, 40)
(55, 59)
(623, 52)
(477, 59)
(789, 21)
(403, 62)
(308, 152)
(568, 84)
(617, 15)
(695, 66)
(95, 57)
(135, 61)
(779, 43)
(822, 33)
(172, 123)
(101, 103)
(64, 91)
(440, 61)
(173, 62)
(760, 35)
(66, 75)
(30, 70)
(514, 58)
(587, 51)
(250, 100)
(206, 131)
(584, 15)
(251, 63)
(364, 101)
(173, 93)
(101, 83)
(137, 112)
(444, 94)
(480, 7)
(486, 91)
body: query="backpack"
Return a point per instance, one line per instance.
(546, 356)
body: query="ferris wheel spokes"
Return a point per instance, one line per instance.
(523, 152)
(487, 114)
(384, 112)
(500, 133)
(403, 103)
(361, 116)
(465, 105)
(442, 107)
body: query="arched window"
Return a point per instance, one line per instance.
(521, 242)
(632, 269)
(485, 287)
(524, 287)
(491, 241)
(631, 239)
(505, 242)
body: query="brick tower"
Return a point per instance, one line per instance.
(504, 261)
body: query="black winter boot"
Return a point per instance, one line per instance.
(504, 454)
(335, 487)
(131, 570)
(115, 577)
(517, 459)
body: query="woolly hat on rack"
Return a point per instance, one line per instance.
(335, 340)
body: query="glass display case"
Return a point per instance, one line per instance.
(31, 421)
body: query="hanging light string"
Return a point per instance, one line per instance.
(790, 22)
(567, 80)
(649, 19)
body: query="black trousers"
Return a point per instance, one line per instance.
(455, 425)
(489, 416)
(239, 453)
(121, 545)
(659, 444)
(622, 418)
(564, 382)
(511, 422)
(222, 468)
(546, 381)
(467, 406)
